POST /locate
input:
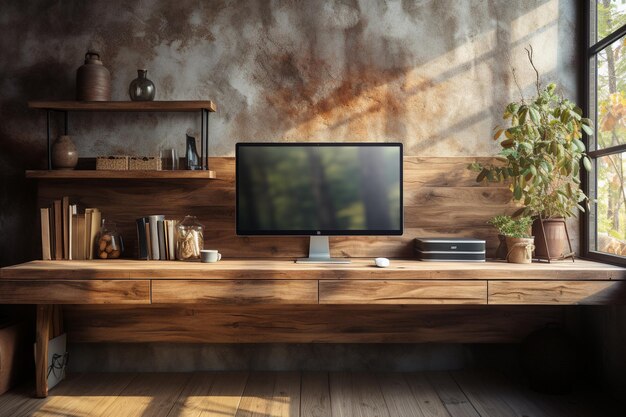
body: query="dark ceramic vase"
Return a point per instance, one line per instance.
(141, 88)
(93, 80)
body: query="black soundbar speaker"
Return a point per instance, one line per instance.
(450, 249)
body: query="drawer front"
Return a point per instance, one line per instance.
(402, 292)
(75, 292)
(557, 292)
(258, 291)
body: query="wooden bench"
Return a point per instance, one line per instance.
(285, 285)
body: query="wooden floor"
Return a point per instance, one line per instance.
(465, 393)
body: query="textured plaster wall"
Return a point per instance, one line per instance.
(432, 74)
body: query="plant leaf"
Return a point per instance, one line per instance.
(534, 115)
(498, 133)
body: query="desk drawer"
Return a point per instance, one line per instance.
(402, 292)
(75, 292)
(557, 292)
(258, 291)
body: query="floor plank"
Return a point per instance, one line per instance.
(484, 394)
(315, 395)
(398, 396)
(455, 401)
(369, 398)
(286, 397)
(492, 395)
(85, 396)
(341, 395)
(426, 396)
(256, 399)
(147, 395)
(210, 394)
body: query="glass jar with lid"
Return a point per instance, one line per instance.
(189, 239)
(109, 243)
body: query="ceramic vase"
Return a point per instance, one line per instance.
(64, 155)
(93, 80)
(141, 88)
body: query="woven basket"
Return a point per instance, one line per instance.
(144, 163)
(114, 163)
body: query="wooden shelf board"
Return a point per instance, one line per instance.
(276, 269)
(125, 106)
(106, 174)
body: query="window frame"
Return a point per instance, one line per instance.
(590, 47)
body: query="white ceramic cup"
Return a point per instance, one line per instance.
(210, 255)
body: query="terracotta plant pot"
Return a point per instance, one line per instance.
(556, 238)
(520, 249)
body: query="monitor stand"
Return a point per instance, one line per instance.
(319, 253)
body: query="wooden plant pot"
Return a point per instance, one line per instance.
(520, 249)
(553, 247)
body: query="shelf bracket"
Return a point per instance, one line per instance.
(204, 138)
(48, 138)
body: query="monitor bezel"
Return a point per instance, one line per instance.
(392, 232)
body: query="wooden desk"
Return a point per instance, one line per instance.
(285, 282)
(237, 283)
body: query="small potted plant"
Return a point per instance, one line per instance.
(520, 244)
(540, 157)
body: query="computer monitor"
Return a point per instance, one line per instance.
(319, 190)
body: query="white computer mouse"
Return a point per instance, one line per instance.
(381, 262)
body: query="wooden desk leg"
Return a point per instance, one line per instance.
(44, 320)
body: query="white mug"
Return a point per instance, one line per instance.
(210, 255)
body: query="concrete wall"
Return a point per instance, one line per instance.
(433, 74)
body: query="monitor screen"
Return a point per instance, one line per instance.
(319, 189)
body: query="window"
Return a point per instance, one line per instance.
(605, 224)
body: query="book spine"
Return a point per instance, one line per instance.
(142, 244)
(154, 236)
(171, 234)
(45, 234)
(162, 247)
(58, 230)
(66, 218)
(96, 223)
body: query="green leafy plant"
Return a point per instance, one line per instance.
(541, 153)
(508, 226)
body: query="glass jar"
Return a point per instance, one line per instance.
(109, 244)
(189, 239)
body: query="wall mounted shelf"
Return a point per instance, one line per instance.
(125, 106)
(106, 174)
(203, 106)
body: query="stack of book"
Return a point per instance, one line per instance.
(67, 234)
(156, 238)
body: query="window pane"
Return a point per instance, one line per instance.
(610, 15)
(611, 95)
(610, 210)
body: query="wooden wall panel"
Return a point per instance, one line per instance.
(304, 324)
(442, 199)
